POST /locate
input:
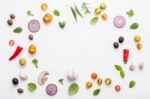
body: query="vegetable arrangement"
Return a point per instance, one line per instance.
(34, 26)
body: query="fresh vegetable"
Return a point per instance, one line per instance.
(35, 62)
(141, 66)
(30, 37)
(108, 81)
(134, 26)
(23, 76)
(15, 81)
(125, 55)
(121, 39)
(89, 84)
(132, 84)
(16, 53)
(61, 81)
(20, 90)
(11, 43)
(74, 13)
(119, 22)
(120, 69)
(34, 26)
(17, 30)
(117, 88)
(96, 92)
(94, 20)
(132, 67)
(99, 81)
(29, 13)
(116, 45)
(94, 75)
(85, 8)
(56, 12)
(104, 16)
(43, 77)
(32, 87)
(12, 16)
(137, 38)
(44, 6)
(130, 13)
(103, 6)
(22, 61)
(139, 46)
(73, 89)
(77, 10)
(72, 75)
(62, 24)
(97, 11)
(51, 89)
(9, 22)
(32, 49)
(47, 18)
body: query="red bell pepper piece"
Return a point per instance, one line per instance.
(125, 55)
(16, 53)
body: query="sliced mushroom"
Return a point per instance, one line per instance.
(23, 76)
(43, 77)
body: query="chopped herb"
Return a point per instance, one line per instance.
(130, 13)
(74, 13)
(35, 62)
(61, 81)
(29, 13)
(56, 13)
(73, 89)
(85, 8)
(62, 24)
(134, 25)
(17, 30)
(96, 92)
(94, 20)
(77, 10)
(131, 84)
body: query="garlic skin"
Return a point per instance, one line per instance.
(23, 76)
(72, 75)
(141, 66)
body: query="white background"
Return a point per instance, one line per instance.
(80, 46)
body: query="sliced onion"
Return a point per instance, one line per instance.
(34, 26)
(51, 89)
(119, 22)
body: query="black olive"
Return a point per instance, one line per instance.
(116, 45)
(121, 39)
(12, 16)
(10, 22)
(20, 90)
(30, 37)
(15, 81)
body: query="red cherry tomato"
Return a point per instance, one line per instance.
(117, 88)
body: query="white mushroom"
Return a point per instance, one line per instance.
(71, 75)
(43, 77)
(23, 76)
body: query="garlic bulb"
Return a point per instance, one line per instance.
(71, 75)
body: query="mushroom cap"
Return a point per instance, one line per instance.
(43, 77)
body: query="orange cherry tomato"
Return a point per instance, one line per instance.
(94, 75)
(47, 18)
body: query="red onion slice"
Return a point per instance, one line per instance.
(51, 89)
(34, 26)
(119, 22)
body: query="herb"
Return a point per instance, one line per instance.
(119, 68)
(61, 81)
(131, 84)
(73, 89)
(94, 20)
(62, 24)
(32, 87)
(29, 13)
(77, 10)
(35, 62)
(130, 13)
(56, 13)
(85, 8)
(74, 13)
(134, 25)
(96, 92)
(17, 30)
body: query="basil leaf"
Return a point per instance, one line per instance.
(119, 68)
(62, 24)
(73, 89)
(56, 13)
(61, 81)
(131, 84)
(17, 30)
(96, 92)
(94, 20)
(134, 25)
(29, 13)
(122, 74)
(32, 87)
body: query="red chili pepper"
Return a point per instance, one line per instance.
(125, 55)
(16, 53)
